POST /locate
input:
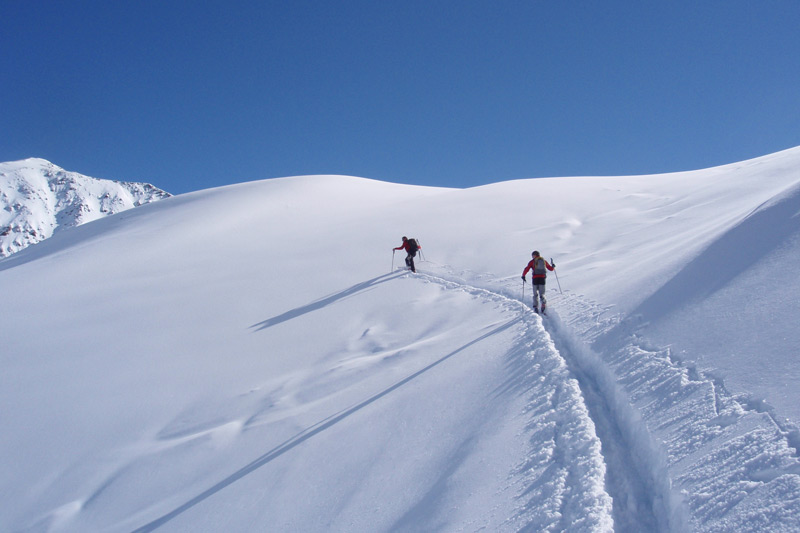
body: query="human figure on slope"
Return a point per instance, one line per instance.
(410, 246)
(539, 276)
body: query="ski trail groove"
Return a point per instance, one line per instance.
(636, 482)
(721, 463)
(640, 500)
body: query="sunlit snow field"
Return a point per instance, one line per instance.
(253, 358)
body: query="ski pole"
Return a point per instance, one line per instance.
(392, 270)
(556, 273)
(523, 291)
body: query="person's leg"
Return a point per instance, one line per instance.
(410, 262)
(538, 292)
(540, 295)
(541, 292)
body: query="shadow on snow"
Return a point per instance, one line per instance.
(321, 426)
(324, 302)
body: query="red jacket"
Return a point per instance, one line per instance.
(404, 246)
(531, 266)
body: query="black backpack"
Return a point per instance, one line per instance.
(412, 246)
(538, 266)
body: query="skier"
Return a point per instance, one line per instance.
(539, 275)
(410, 246)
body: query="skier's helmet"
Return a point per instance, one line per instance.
(405, 238)
(535, 253)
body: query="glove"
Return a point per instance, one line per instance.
(524, 280)
(553, 265)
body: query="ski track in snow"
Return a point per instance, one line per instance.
(681, 453)
(630, 486)
(731, 467)
(562, 478)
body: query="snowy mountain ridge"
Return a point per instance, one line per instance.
(38, 198)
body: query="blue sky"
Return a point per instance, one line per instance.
(190, 95)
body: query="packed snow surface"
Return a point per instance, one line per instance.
(253, 358)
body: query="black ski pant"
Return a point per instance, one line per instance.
(410, 261)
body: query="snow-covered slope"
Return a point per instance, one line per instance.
(250, 358)
(38, 198)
